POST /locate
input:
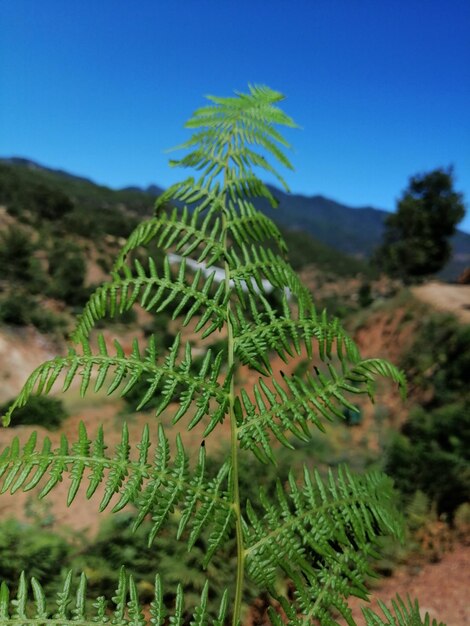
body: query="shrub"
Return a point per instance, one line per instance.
(17, 258)
(15, 309)
(432, 454)
(67, 268)
(21, 309)
(28, 548)
(439, 359)
(39, 410)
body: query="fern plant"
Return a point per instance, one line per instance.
(223, 258)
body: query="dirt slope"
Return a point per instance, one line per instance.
(441, 588)
(22, 350)
(450, 298)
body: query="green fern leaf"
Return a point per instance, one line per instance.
(182, 232)
(245, 223)
(155, 489)
(321, 535)
(170, 380)
(291, 407)
(156, 292)
(270, 331)
(126, 608)
(401, 614)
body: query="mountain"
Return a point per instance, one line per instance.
(85, 193)
(352, 231)
(34, 166)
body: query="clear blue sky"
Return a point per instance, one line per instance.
(102, 87)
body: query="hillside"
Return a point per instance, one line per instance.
(355, 232)
(84, 192)
(381, 325)
(60, 202)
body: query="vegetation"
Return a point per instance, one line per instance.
(39, 410)
(67, 269)
(26, 194)
(18, 261)
(40, 553)
(319, 533)
(439, 359)
(305, 250)
(19, 181)
(431, 453)
(22, 309)
(416, 240)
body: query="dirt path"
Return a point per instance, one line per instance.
(451, 298)
(441, 588)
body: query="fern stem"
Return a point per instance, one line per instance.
(233, 424)
(235, 479)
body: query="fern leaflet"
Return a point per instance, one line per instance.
(321, 535)
(123, 609)
(155, 487)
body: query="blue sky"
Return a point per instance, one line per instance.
(102, 88)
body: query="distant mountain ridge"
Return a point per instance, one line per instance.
(152, 190)
(33, 165)
(353, 231)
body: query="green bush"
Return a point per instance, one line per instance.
(432, 454)
(439, 359)
(15, 309)
(67, 268)
(39, 410)
(24, 547)
(22, 309)
(17, 259)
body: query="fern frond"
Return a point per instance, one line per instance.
(279, 409)
(200, 500)
(203, 196)
(257, 270)
(181, 231)
(76, 609)
(171, 380)
(230, 126)
(156, 291)
(401, 614)
(322, 535)
(287, 334)
(155, 487)
(245, 224)
(224, 262)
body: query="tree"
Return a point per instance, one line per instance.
(432, 454)
(309, 543)
(416, 239)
